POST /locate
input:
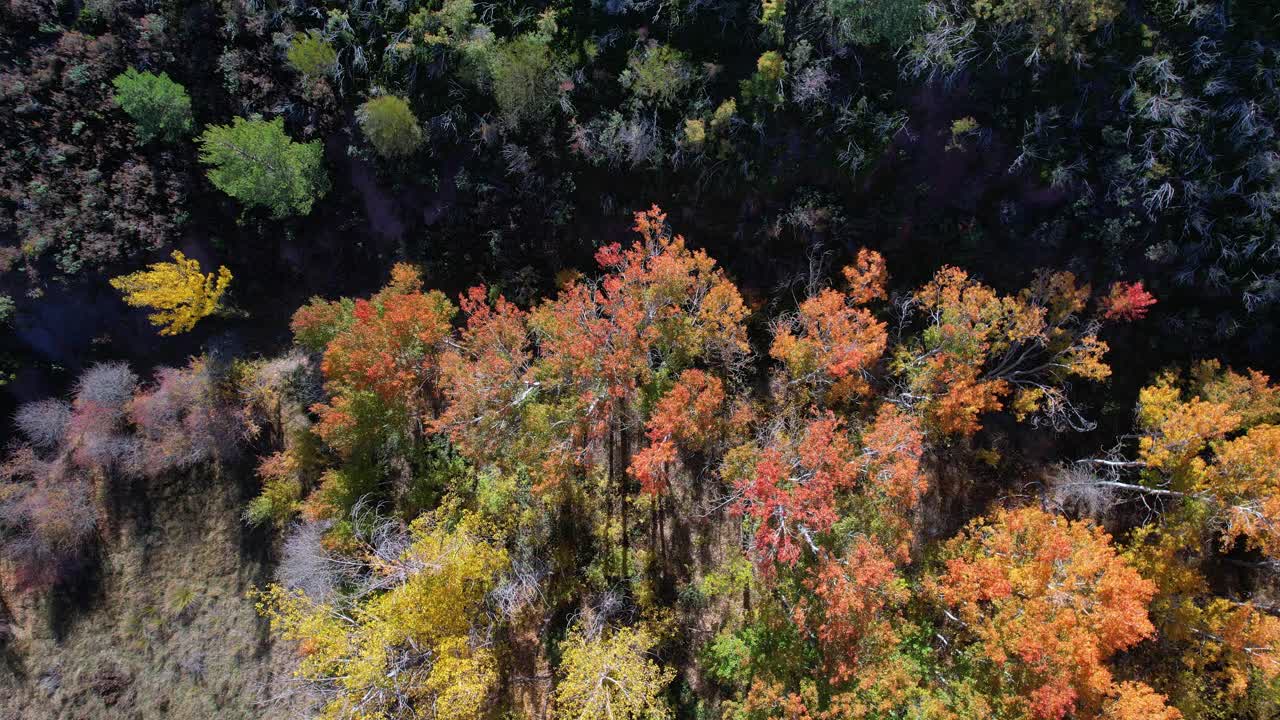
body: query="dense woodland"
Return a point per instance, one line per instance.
(640, 359)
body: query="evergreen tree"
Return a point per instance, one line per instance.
(255, 162)
(160, 107)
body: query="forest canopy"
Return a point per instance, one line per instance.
(633, 360)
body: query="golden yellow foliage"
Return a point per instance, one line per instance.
(179, 292)
(613, 677)
(406, 646)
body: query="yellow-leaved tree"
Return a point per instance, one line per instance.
(179, 292)
(403, 640)
(612, 677)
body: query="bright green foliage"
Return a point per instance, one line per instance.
(255, 162)
(1058, 28)
(612, 677)
(310, 55)
(160, 107)
(390, 125)
(657, 74)
(445, 26)
(406, 649)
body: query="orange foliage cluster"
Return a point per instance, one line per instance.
(849, 611)
(979, 347)
(1047, 601)
(688, 414)
(483, 371)
(792, 491)
(385, 350)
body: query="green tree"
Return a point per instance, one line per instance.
(255, 162)
(659, 74)
(390, 125)
(859, 22)
(765, 85)
(523, 76)
(310, 55)
(160, 107)
(1059, 28)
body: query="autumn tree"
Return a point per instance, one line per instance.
(256, 162)
(807, 477)
(979, 350)
(381, 368)
(1207, 459)
(484, 375)
(403, 643)
(602, 345)
(831, 344)
(850, 608)
(688, 416)
(612, 675)
(1213, 444)
(789, 488)
(1040, 604)
(179, 292)
(1126, 301)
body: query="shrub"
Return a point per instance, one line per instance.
(44, 422)
(109, 385)
(305, 565)
(659, 74)
(47, 516)
(390, 126)
(160, 107)
(255, 162)
(184, 420)
(523, 76)
(281, 491)
(312, 56)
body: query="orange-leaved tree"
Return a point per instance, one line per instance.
(1038, 604)
(979, 350)
(1208, 460)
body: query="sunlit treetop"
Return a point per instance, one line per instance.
(1046, 602)
(380, 354)
(408, 648)
(178, 291)
(979, 349)
(831, 345)
(659, 308)
(612, 676)
(1218, 445)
